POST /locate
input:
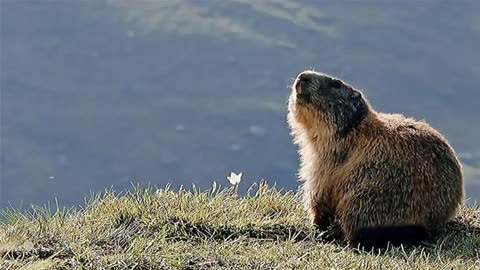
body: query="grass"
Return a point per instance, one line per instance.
(164, 229)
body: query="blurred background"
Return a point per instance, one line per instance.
(99, 93)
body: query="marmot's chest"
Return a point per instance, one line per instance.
(329, 170)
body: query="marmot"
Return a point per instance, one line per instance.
(383, 178)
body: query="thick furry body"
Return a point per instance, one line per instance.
(384, 170)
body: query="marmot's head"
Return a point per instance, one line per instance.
(322, 101)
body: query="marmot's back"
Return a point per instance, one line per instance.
(368, 169)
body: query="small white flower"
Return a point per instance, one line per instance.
(234, 178)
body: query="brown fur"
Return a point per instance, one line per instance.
(386, 170)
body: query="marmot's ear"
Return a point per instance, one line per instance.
(356, 100)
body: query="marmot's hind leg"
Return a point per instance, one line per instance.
(393, 235)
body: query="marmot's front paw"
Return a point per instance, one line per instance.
(319, 221)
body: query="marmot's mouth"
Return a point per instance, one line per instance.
(302, 97)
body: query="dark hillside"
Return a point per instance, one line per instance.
(100, 93)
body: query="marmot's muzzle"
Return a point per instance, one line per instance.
(303, 86)
(302, 83)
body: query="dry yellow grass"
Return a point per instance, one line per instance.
(165, 229)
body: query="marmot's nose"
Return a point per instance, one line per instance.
(304, 79)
